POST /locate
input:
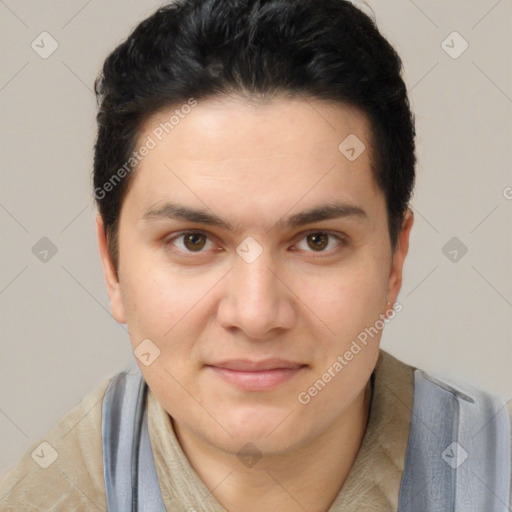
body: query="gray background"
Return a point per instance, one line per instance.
(59, 340)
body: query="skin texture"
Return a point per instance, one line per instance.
(254, 164)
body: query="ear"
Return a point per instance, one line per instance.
(111, 279)
(399, 254)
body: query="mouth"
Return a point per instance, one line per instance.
(256, 375)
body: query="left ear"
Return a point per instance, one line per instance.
(399, 254)
(111, 278)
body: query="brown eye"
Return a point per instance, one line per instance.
(194, 241)
(318, 241)
(188, 242)
(321, 242)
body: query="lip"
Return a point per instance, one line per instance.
(262, 375)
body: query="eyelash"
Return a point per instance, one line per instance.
(316, 254)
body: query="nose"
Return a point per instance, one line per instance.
(257, 299)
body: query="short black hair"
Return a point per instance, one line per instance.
(189, 50)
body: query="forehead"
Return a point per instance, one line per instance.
(257, 128)
(256, 154)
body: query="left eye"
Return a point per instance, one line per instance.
(320, 240)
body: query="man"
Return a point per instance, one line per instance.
(253, 170)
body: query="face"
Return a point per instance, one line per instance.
(252, 254)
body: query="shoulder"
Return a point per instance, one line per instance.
(64, 470)
(422, 379)
(471, 429)
(473, 407)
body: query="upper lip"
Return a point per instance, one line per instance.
(254, 366)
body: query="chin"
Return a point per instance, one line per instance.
(264, 429)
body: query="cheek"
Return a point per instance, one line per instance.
(348, 299)
(165, 306)
(153, 305)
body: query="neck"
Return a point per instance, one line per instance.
(284, 482)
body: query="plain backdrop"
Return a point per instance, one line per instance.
(59, 340)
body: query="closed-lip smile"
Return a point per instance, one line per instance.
(250, 375)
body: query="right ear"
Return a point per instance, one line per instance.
(113, 287)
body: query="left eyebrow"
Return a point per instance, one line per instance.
(174, 211)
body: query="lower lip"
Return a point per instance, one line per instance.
(263, 380)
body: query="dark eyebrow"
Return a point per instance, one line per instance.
(173, 211)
